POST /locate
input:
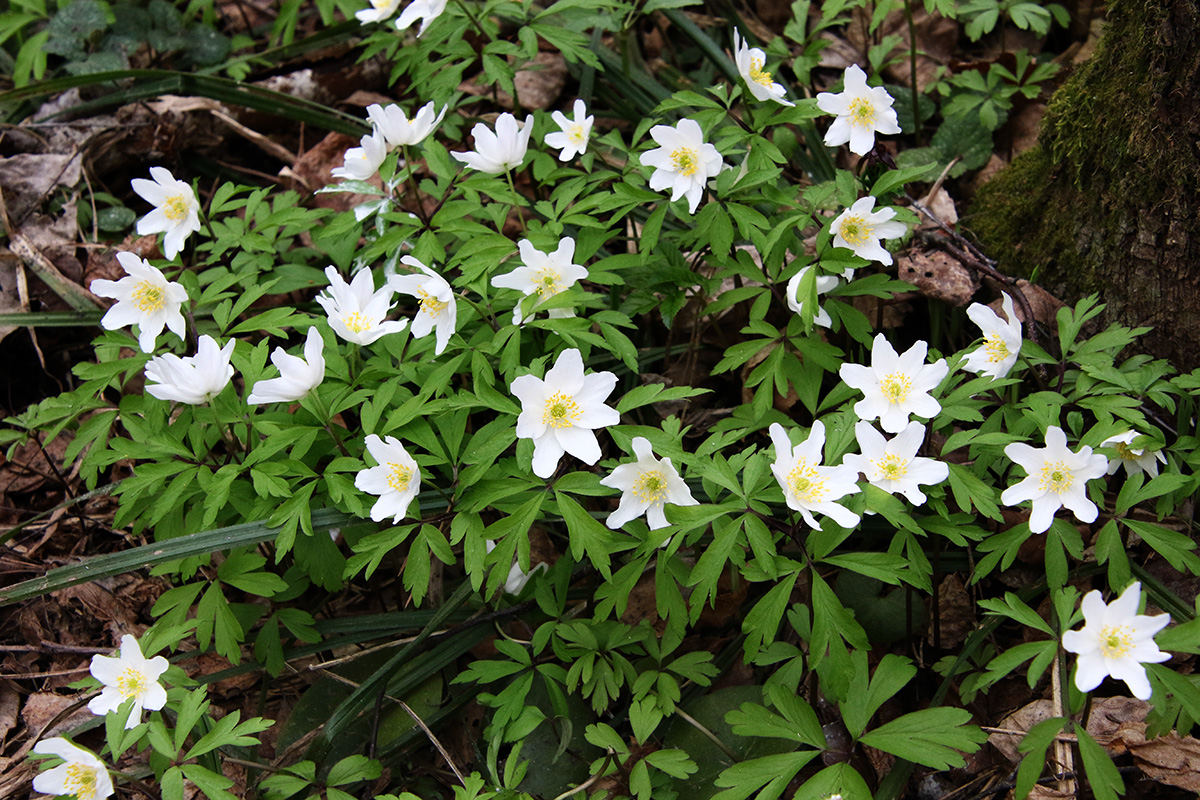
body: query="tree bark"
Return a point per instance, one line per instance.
(1108, 200)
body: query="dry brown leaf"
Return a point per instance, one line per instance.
(42, 707)
(28, 178)
(956, 611)
(1020, 721)
(1171, 759)
(938, 275)
(10, 704)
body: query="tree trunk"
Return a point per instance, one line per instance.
(1109, 200)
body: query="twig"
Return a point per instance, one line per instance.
(421, 724)
(590, 781)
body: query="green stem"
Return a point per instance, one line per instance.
(411, 179)
(325, 417)
(912, 65)
(516, 207)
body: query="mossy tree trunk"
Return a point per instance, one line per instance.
(1109, 201)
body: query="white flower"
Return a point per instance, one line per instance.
(572, 139)
(1001, 340)
(379, 11)
(544, 274)
(1056, 477)
(396, 480)
(1115, 640)
(807, 486)
(399, 130)
(425, 10)
(1135, 459)
(176, 209)
(438, 309)
(683, 162)
(894, 465)
(144, 298)
(825, 283)
(750, 61)
(82, 774)
(361, 163)
(861, 111)
(646, 486)
(297, 376)
(500, 151)
(517, 577)
(561, 412)
(860, 229)
(128, 675)
(356, 310)
(895, 386)
(193, 380)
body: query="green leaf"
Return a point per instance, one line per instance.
(1034, 745)
(1101, 772)
(933, 737)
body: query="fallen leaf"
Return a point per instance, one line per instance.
(938, 275)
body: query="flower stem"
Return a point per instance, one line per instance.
(326, 420)
(475, 22)
(512, 187)
(411, 178)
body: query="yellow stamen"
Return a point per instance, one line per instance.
(176, 207)
(399, 476)
(995, 348)
(862, 112)
(896, 387)
(356, 322)
(686, 161)
(148, 297)
(548, 282)
(576, 134)
(758, 74)
(1056, 477)
(856, 231)
(80, 781)
(650, 487)
(430, 304)
(891, 467)
(132, 682)
(807, 484)
(1128, 453)
(1116, 641)
(561, 411)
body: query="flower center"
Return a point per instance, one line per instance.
(576, 134)
(399, 476)
(356, 322)
(548, 282)
(176, 207)
(1116, 641)
(758, 74)
(382, 5)
(995, 348)
(148, 297)
(856, 231)
(895, 387)
(650, 487)
(430, 304)
(686, 161)
(80, 781)
(561, 411)
(1128, 453)
(807, 484)
(862, 112)
(132, 682)
(891, 467)
(1056, 477)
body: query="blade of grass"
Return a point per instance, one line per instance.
(52, 319)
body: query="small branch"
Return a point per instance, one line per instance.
(421, 724)
(590, 781)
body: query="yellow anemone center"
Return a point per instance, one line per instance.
(430, 304)
(758, 74)
(1128, 453)
(176, 207)
(356, 322)
(1056, 477)
(856, 231)
(132, 682)
(576, 134)
(650, 486)
(807, 484)
(80, 780)
(862, 112)
(896, 387)
(995, 348)
(148, 297)
(686, 161)
(399, 476)
(548, 282)
(891, 467)
(1116, 641)
(561, 411)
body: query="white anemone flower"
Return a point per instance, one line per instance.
(144, 298)
(544, 274)
(356, 310)
(176, 209)
(1134, 459)
(297, 376)
(893, 465)
(807, 486)
(128, 675)
(1056, 477)
(861, 229)
(396, 479)
(861, 111)
(194, 380)
(750, 62)
(378, 12)
(517, 577)
(647, 485)
(825, 284)
(438, 309)
(397, 129)
(361, 163)
(81, 775)
(502, 150)
(683, 162)
(895, 386)
(1116, 640)
(572, 138)
(1001, 340)
(425, 10)
(562, 411)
